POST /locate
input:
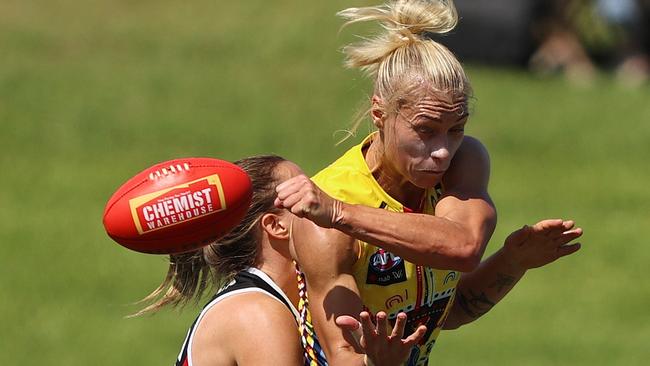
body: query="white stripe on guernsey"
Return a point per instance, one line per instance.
(212, 303)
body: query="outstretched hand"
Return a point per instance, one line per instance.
(543, 243)
(304, 199)
(380, 347)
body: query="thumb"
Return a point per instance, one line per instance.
(348, 323)
(278, 203)
(519, 236)
(351, 325)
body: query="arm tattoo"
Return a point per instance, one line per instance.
(474, 304)
(503, 281)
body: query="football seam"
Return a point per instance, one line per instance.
(108, 209)
(175, 236)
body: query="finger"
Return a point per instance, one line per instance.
(381, 324)
(299, 210)
(298, 193)
(287, 188)
(367, 327)
(400, 324)
(568, 224)
(278, 203)
(351, 325)
(348, 323)
(547, 224)
(416, 336)
(568, 236)
(289, 182)
(292, 200)
(576, 231)
(557, 231)
(568, 249)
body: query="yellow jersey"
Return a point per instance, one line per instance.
(386, 282)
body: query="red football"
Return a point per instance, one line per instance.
(178, 205)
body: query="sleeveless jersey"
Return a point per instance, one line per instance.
(386, 282)
(249, 280)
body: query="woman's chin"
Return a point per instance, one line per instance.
(427, 181)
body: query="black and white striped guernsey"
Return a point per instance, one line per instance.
(248, 280)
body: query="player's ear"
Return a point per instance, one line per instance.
(276, 225)
(377, 112)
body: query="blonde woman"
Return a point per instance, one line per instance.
(255, 317)
(410, 203)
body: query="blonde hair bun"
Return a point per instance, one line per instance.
(405, 21)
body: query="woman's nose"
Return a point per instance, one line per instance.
(440, 150)
(440, 153)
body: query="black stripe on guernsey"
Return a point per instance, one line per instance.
(383, 204)
(242, 280)
(258, 282)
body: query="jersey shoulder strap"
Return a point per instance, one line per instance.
(247, 279)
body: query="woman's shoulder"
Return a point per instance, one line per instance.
(474, 147)
(247, 308)
(345, 176)
(234, 322)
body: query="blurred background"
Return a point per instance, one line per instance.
(92, 92)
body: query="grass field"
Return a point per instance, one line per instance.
(92, 92)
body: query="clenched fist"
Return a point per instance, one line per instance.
(304, 199)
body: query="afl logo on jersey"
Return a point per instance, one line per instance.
(385, 268)
(384, 261)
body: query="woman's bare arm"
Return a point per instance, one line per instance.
(326, 257)
(455, 238)
(526, 248)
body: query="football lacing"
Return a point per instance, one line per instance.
(172, 169)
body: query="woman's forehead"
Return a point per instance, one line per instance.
(440, 104)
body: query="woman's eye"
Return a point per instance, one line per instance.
(424, 129)
(457, 130)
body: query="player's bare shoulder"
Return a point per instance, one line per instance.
(474, 148)
(225, 332)
(470, 167)
(238, 317)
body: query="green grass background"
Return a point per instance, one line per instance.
(91, 92)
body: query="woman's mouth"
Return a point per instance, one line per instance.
(432, 172)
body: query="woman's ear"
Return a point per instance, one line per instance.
(377, 112)
(276, 226)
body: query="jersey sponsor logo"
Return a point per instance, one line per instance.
(175, 205)
(385, 268)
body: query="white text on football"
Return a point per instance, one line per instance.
(173, 210)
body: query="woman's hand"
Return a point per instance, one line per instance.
(380, 347)
(304, 199)
(543, 243)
